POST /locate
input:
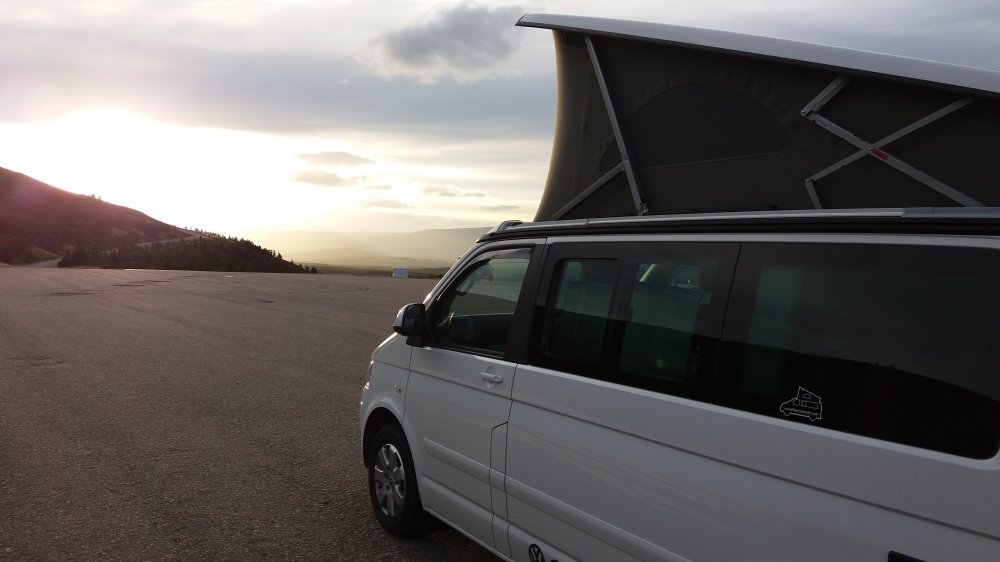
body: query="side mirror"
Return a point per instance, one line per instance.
(410, 323)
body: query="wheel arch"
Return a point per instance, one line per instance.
(377, 419)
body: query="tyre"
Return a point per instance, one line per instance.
(392, 482)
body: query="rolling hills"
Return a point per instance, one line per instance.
(431, 248)
(39, 221)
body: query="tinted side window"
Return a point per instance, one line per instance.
(581, 313)
(643, 315)
(892, 342)
(476, 312)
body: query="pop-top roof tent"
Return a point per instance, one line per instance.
(660, 119)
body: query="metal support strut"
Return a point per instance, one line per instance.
(626, 164)
(875, 149)
(616, 126)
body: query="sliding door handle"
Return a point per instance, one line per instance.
(491, 377)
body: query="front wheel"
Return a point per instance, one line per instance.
(392, 482)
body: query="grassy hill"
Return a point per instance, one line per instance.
(38, 221)
(204, 252)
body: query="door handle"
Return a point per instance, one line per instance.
(491, 377)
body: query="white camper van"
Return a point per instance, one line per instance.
(756, 318)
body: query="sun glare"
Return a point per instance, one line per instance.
(188, 176)
(234, 182)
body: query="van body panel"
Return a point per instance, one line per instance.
(572, 467)
(498, 486)
(969, 506)
(635, 462)
(387, 375)
(462, 397)
(585, 431)
(454, 410)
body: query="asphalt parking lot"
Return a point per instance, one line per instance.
(192, 416)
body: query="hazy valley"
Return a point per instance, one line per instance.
(41, 222)
(432, 248)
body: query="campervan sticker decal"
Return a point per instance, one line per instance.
(805, 404)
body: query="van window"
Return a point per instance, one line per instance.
(581, 313)
(891, 342)
(649, 318)
(475, 313)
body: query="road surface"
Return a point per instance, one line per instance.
(192, 416)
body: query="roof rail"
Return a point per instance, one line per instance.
(502, 227)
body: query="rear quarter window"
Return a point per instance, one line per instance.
(893, 342)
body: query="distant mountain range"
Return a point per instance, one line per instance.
(38, 221)
(433, 248)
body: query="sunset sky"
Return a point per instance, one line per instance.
(240, 116)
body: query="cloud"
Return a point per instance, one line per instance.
(446, 191)
(322, 177)
(260, 72)
(466, 43)
(385, 204)
(335, 159)
(272, 90)
(381, 187)
(501, 207)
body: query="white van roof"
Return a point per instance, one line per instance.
(980, 80)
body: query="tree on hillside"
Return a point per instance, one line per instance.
(207, 253)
